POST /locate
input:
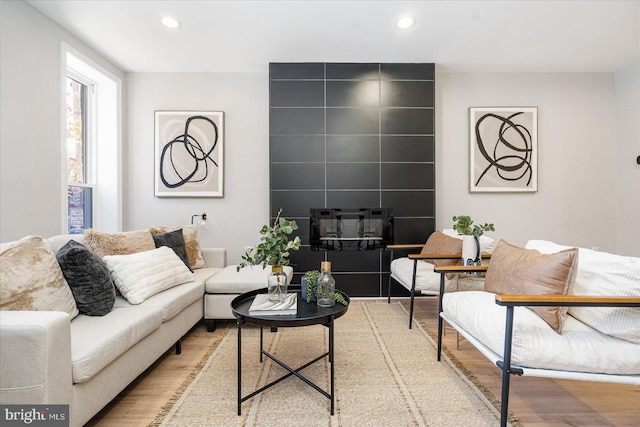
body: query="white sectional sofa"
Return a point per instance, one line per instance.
(48, 357)
(553, 311)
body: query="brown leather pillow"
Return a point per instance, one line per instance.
(515, 270)
(440, 243)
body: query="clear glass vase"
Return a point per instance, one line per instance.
(326, 286)
(277, 284)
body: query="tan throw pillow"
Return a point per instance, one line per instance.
(440, 243)
(191, 243)
(124, 243)
(31, 279)
(514, 270)
(603, 274)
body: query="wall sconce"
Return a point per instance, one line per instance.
(202, 223)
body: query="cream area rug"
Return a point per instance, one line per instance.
(385, 375)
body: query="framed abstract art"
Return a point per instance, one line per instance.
(189, 153)
(503, 149)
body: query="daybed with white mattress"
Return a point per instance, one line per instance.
(596, 339)
(415, 272)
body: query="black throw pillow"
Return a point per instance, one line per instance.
(88, 278)
(175, 241)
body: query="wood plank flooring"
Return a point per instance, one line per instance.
(535, 401)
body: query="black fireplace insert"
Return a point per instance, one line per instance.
(351, 229)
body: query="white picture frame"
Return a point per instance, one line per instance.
(503, 149)
(189, 153)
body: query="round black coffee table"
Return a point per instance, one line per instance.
(307, 314)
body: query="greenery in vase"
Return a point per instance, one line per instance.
(312, 287)
(274, 245)
(464, 225)
(337, 297)
(312, 283)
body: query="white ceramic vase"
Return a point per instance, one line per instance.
(470, 250)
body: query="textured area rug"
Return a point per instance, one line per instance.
(385, 375)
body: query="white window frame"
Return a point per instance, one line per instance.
(104, 139)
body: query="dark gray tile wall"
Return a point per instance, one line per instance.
(347, 135)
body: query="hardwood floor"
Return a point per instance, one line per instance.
(535, 401)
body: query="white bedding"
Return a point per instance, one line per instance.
(535, 344)
(603, 274)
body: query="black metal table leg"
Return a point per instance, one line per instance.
(440, 324)
(506, 367)
(389, 287)
(332, 364)
(307, 315)
(239, 323)
(413, 291)
(294, 372)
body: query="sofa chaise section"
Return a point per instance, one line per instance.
(223, 287)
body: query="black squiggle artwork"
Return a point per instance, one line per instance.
(517, 163)
(195, 151)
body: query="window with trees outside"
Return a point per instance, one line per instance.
(79, 186)
(91, 97)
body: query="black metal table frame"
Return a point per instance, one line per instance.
(286, 322)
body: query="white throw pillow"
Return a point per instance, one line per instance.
(603, 274)
(144, 274)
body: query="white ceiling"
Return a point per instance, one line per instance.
(244, 36)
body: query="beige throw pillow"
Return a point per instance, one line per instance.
(124, 243)
(515, 270)
(440, 243)
(31, 279)
(603, 274)
(191, 243)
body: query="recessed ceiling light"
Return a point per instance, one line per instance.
(405, 22)
(170, 22)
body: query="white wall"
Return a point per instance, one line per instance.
(31, 158)
(586, 185)
(628, 171)
(576, 198)
(234, 219)
(575, 202)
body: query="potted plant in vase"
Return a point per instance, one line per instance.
(309, 285)
(310, 288)
(273, 250)
(470, 232)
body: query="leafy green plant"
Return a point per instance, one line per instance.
(464, 225)
(274, 245)
(337, 297)
(312, 283)
(312, 287)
